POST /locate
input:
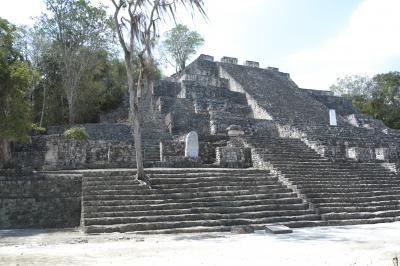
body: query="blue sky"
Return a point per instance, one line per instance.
(316, 41)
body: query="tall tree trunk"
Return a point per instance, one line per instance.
(71, 111)
(135, 117)
(5, 154)
(43, 106)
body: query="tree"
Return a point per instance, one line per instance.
(15, 78)
(180, 44)
(355, 85)
(378, 97)
(137, 32)
(385, 101)
(77, 29)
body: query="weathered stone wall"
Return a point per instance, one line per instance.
(220, 121)
(181, 123)
(63, 153)
(360, 120)
(40, 201)
(174, 149)
(56, 152)
(234, 154)
(342, 105)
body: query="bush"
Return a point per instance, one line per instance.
(37, 129)
(76, 133)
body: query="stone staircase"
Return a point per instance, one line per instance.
(342, 192)
(189, 200)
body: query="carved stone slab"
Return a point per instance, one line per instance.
(192, 145)
(332, 117)
(278, 229)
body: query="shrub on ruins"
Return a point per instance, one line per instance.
(180, 44)
(36, 129)
(15, 78)
(378, 97)
(76, 133)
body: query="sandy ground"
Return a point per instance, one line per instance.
(346, 245)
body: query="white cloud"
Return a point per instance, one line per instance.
(370, 39)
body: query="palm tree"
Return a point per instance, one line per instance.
(137, 31)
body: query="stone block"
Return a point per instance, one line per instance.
(251, 63)
(278, 229)
(206, 57)
(242, 229)
(229, 60)
(273, 68)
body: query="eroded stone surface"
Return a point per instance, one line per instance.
(242, 229)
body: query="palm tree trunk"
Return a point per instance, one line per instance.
(135, 118)
(43, 106)
(5, 154)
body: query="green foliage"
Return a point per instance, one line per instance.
(101, 88)
(355, 85)
(180, 44)
(77, 31)
(15, 79)
(378, 97)
(37, 129)
(76, 133)
(385, 101)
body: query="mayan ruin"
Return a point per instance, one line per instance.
(197, 132)
(226, 144)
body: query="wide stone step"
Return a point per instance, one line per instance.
(256, 198)
(209, 229)
(173, 181)
(304, 165)
(184, 224)
(181, 176)
(346, 189)
(202, 185)
(172, 191)
(358, 204)
(124, 211)
(363, 221)
(315, 187)
(360, 215)
(385, 207)
(355, 199)
(194, 217)
(352, 194)
(264, 182)
(295, 157)
(344, 180)
(160, 184)
(188, 196)
(268, 204)
(237, 173)
(171, 171)
(309, 171)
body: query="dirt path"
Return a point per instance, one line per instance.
(349, 245)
